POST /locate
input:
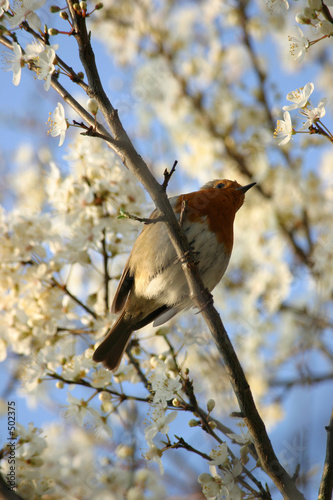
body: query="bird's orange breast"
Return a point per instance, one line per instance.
(213, 207)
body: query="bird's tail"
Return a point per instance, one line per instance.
(111, 350)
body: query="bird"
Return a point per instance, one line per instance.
(153, 287)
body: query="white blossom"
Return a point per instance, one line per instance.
(46, 66)
(58, 123)
(101, 378)
(325, 27)
(313, 115)
(154, 454)
(15, 61)
(160, 422)
(43, 57)
(33, 50)
(76, 410)
(219, 455)
(24, 10)
(284, 129)
(164, 387)
(210, 485)
(278, 5)
(243, 438)
(298, 44)
(4, 6)
(99, 423)
(299, 97)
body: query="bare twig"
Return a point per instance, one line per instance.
(86, 383)
(326, 484)
(137, 367)
(56, 283)
(182, 211)
(105, 271)
(306, 380)
(168, 175)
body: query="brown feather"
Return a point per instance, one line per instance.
(111, 350)
(123, 289)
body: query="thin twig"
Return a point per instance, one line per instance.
(168, 175)
(145, 220)
(181, 443)
(73, 297)
(182, 211)
(306, 380)
(105, 271)
(137, 367)
(85, 383)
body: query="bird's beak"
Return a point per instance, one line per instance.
(245, 188)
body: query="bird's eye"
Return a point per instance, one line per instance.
(220, 185)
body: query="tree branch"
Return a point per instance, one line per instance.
(326, 484)
(5, 493)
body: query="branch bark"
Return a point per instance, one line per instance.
(326, 484)
(6, 493)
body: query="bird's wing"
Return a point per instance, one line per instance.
(126, 282)
(165, 315)
(124, 287)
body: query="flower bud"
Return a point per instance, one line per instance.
(54, 8)
(170, 363)
(99, 6)
(193, 423)
(52, 31)
(176, 402)
(80, 75)
(301, 19)
(244, 451)
(124, 451)
(205, 478)
(63, 14)
(104, 396)
(210, 405)
(309, 13)
(212, 424)
(92, 106)
(83, 5)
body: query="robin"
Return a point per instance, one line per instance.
(153, 286)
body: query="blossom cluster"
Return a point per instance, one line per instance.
(42, 456)
(165, 387)
(300, 100)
